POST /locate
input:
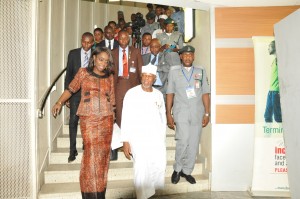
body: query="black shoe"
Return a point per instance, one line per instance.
(114, 154)
(175, 177)
(188, 178)
(72, 156)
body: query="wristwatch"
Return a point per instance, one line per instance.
(206, 114)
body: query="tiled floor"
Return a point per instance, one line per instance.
(214, 195)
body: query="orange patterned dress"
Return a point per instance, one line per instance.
(96, 123)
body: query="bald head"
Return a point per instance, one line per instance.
(155, 46)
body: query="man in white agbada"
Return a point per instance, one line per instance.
(143, 134)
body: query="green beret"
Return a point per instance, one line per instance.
(150, 15)
(169, 21)
(187, 48)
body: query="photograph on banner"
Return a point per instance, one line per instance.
(269, 165)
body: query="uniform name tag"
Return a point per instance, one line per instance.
(197, 84)
(198, 80)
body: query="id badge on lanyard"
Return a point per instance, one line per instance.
(190, 92)
(132, 68)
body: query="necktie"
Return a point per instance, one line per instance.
(153, 60)
(109, 44)
(125, 64)
(86, 60)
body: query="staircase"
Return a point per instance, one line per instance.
(62, 178)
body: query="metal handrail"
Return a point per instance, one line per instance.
(47, 94)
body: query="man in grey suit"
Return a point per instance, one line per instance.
(77, 58)
(188, 107)
(163, 61)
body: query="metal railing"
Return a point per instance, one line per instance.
(47, 94)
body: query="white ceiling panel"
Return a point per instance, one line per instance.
(206, 4)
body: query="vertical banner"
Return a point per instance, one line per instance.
(269, 165)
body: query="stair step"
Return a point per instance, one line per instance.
(60, 156)
(67, 173)
(64, 142)
(121, 189)
(66, 130)
(62, 179)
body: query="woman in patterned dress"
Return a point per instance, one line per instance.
(96, 120)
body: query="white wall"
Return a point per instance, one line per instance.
(232, 157)
(232, 144)
(202, 44)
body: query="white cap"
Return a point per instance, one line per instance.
(163, 17)
(149, 69)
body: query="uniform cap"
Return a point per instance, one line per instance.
(149, 69)
(150, 15)
(169, 21)
(187, 48)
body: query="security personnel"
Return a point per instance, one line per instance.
(170, 40)
(188, 94)
(151, 25)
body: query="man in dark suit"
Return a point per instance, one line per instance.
(163, 61)
(109, 40)
(127, 73)
(127, 70)
(77, 58)
(111, 44)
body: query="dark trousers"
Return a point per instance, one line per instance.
(114, 154)
(273, 107)
(73, 123)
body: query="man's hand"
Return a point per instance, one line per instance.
(205, 121)
(164, 47)
(170, 122)
(127, 150)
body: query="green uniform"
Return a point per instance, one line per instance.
(175, 38)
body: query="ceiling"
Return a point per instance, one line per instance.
(206, 4)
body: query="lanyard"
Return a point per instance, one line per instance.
(188, 80)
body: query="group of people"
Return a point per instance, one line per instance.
(142, 91)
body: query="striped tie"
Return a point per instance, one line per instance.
(86, 60)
